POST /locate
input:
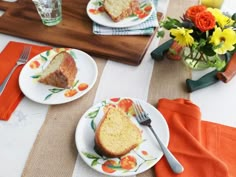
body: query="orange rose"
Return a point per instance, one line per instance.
(193, 11)
(205, 21)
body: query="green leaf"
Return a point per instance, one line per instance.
(104, 103)
(98, 3)
(143, 5)
(36, 76)
(161, 34)
(93, 125)
(219, 64)
(170, 23)
(94, 162)
(44, 58)
(207, 49)
(56, 90)
(73, 54)
(48, 96)
(91, 156)
(75, 84)
(93, 114)
(115, 167)
(48, 53)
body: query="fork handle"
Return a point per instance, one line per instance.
(173, 162)
(4, 83)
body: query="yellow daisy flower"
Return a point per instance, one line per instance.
(182, 36)
(223, 40)
(221, 19)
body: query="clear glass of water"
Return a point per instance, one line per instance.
(49, 11)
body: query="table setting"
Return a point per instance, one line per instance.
(51, 131)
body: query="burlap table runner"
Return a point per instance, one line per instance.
(54, 152)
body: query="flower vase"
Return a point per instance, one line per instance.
(195, 59)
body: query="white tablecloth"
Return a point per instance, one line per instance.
(17, 135)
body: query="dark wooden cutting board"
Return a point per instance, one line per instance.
(22, 20)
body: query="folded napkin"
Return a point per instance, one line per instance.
(145, 28)
(205, 149)
(12, 94)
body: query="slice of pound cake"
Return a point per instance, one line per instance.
(116, 134)
(60, 72)
(120, 9)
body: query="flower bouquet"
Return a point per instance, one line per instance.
(205, 34)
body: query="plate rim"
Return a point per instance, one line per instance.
(116, 24)
(93, 81)
(132, 98)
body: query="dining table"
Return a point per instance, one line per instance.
(38, 140)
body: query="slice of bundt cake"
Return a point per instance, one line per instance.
(60, 72)
(116, 134)
(120, 9)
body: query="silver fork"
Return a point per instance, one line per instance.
(143, 119)
(22, 60)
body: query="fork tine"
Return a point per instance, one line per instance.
(139, 107)
(25, 54)
(139, 111)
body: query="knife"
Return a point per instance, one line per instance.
(206, 80)
(159, 52)
(230, 70)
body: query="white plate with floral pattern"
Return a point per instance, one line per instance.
(96, 12)
(45, 94)
(138, 160)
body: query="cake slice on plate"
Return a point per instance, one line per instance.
(120, 9)
(116, 134)
(60, 72)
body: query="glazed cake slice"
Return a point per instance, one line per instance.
(120, 9)
(60, 72)
(116, 135)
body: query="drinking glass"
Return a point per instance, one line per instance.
(49, 11)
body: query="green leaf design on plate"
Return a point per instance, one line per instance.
(36, 76)
(94, 162)
(56, 90)
(115, 167)
(143, 5)
(76, 83)
(98, 3)
(73, 54)
(91, 156)
(93, 125)
(48, 96)
(93, 114)
(48, 52)
(44, 58)
(104, 103)
(53, 91)
(135, 19)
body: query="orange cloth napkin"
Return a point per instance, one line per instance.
(12, 94)
(205, 149)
